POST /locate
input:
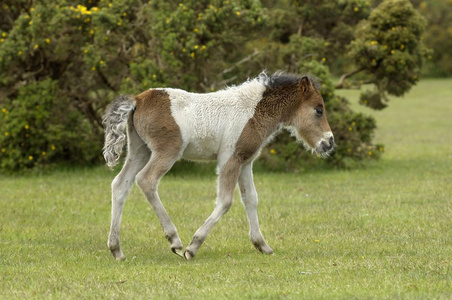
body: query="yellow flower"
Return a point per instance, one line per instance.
(350, 129)
(237, 13)
(30, 23)
(26, 126)
(356, 8)
(44, 153)
(154, 76)
(402, 47)
(316, 241)
(124, 14)
(192, 55)
(7, 133)
(272, 151)
(93, 68)
(30, 157)
(196, 47)
(203, 47)
(323, 59)
(392, 51)
(183, 50)
(36, 46)
(101, 62)
(86, 51)
(195, 30)
(370, 153)
(94, 9)
(3, 34)
(91, 32)
(52, 147)
(47, 41)
(373, 42)
(4, 110)
(3, 150)
(19, 53)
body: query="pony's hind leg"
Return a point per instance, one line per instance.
(148, 180)
(137, 157)
(227, 180)
(249, 199)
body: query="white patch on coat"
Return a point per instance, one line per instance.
(212, 123)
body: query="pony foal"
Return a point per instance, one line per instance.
(231, 126)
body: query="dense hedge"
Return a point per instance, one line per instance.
(61, 63)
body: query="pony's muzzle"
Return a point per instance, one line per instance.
(326, 145)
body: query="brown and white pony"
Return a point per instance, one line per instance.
(230, 126)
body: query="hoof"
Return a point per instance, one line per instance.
(118, 255)
(178, 252)
(121, 258)
(264, 248)
(267, 250)
(188, 255)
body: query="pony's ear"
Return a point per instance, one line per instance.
(306, 85)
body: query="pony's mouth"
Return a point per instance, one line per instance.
(325, 147)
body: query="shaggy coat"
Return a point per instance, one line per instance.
(230, 126)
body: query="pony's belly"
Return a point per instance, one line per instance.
(201, 150)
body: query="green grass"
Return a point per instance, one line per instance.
(383, 231)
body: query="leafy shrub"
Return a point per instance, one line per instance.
(72, 59)
(38, 128)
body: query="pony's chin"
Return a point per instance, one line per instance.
(322, 151)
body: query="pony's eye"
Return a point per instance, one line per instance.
(319, 111)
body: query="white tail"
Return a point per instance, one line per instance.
(115, 121)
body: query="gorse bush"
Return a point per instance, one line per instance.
(38, 128)
(71, 60)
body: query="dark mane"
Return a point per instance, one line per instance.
(282, 79)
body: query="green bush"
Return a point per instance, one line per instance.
(38, 128)
(71, 59)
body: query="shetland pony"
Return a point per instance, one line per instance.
(230, 126)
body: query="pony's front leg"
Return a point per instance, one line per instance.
(227, 180)
(249, 199)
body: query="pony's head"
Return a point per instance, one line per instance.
(309, 123)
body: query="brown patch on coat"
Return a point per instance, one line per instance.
(288, 105)
(155, 124)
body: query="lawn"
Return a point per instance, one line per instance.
(381, 231)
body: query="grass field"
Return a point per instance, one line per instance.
(382, 231)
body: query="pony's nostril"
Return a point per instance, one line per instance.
(331, 141)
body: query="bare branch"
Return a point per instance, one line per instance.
(242, 61)
(340, 84)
